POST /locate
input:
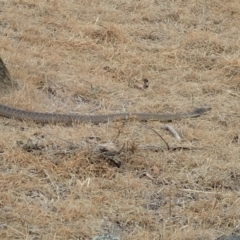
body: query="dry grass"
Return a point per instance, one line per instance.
(84, 56)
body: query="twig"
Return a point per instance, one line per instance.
(157, 148)
(119, 131)
(158, 135)
(173, 131)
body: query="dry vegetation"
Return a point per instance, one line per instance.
(85, 57)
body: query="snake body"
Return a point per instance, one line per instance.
(40, 117)
(10, 112)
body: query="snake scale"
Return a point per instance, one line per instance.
(41, 117)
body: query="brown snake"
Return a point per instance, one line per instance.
(40, 117)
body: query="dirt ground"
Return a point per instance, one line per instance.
(132, 180)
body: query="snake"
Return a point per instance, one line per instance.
(41, 117)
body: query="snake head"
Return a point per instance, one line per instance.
(201, 110)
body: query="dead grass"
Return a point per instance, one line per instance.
(85, 57)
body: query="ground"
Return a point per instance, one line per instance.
(91, 56)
